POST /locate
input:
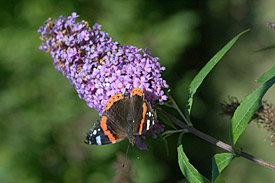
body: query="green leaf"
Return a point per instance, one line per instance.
(187, 169)
(219, 162)
(246, 110)
(267, 75)
(205, 71)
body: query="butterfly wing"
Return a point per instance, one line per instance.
(111, 128)
(144, 115)
(97, 136)
(117, 114)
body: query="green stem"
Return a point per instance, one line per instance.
(179, 111)
(218, 143)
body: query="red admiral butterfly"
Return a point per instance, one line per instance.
(124, 117)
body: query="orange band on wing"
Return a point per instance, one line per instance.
(112, 100)
(137, 91)
(144, 107)
(107, 132)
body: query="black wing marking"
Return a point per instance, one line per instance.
(96, 136)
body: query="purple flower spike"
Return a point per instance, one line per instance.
(98, 66)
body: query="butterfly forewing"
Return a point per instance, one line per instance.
(111, 128)
(117, 116)
(144, 115)
(148, 119)
(96, 136)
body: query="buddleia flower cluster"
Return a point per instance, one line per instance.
(98, 66)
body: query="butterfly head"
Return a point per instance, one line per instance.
(132, 140)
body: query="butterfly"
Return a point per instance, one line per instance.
(124, 117)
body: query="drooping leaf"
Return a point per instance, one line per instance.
(267, 75)
(188, 170)
(246, 110)
(196, 82)
(219, 162)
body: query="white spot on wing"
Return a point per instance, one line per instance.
(153, 122)
(98, 140)
(148, 124)
(150, 114)
(94, 132)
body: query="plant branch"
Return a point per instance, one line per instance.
(218, 143)
(175, 106)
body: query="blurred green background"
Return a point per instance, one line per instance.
(43, 122)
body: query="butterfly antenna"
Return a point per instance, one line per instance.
(126, 155)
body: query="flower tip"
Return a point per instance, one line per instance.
(74, 15)
(40, 29)
(96, 26)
